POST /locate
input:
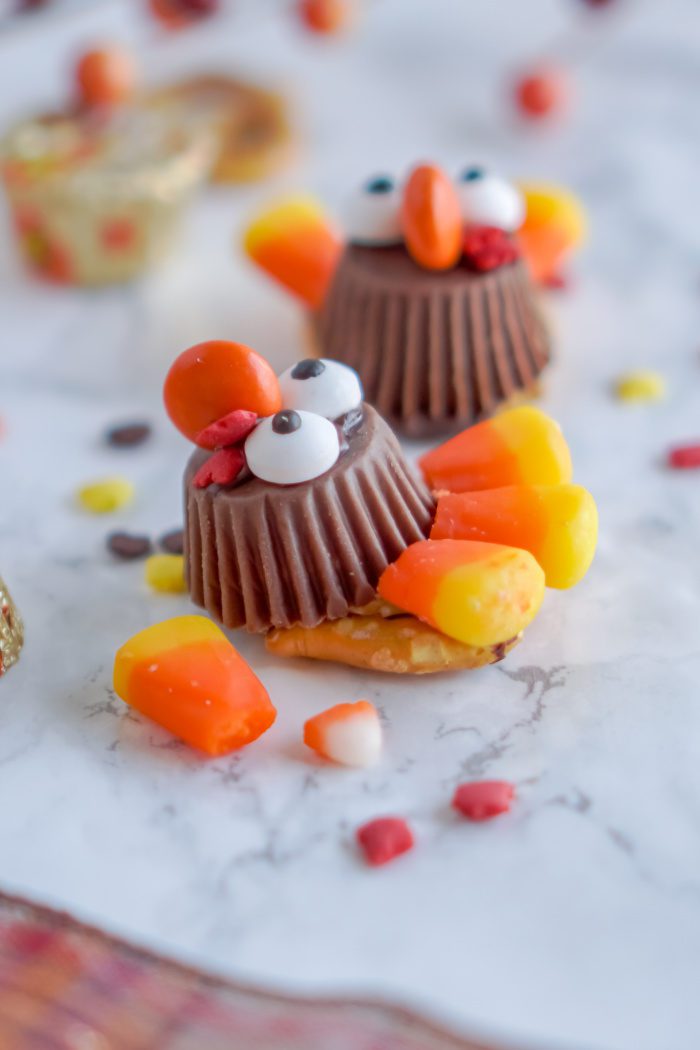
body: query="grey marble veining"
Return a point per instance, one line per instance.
(573, 921)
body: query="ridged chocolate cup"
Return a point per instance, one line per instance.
(260, 556)
(436, 352)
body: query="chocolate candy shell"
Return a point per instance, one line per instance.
(260, 555)
(436, 352)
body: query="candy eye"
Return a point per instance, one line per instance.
(489, 200)
(318, 385)
(291, 447)
(373, 215)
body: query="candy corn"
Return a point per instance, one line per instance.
(479, 593)
(521, 446)
(349, 734)
(555, 224)
(558, 524)
(295, 244)
(186, 676)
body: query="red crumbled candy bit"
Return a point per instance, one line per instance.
(228, 430)
(488, 247)
(220, 469)
(684, 457)
(483, 799)
(383, 839)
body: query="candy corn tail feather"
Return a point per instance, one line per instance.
(295, 243)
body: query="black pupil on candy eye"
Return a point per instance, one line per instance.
(286, 422)
(308, 369)
(471, 174)
(382, 184)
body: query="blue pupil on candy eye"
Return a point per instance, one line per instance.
(382, 184)
(471, 174)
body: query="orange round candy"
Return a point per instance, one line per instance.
(212, 379)
(432, 219)
(105, 77)
(325, 16)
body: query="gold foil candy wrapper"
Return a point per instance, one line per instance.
(11, 630)
(251, 126)
(101, 206)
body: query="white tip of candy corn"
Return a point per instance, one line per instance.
(349, 734)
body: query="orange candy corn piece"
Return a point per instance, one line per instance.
(558, 524)
(295, 244)
(186, 676)
(349, 734)
(479, 593)
(555, 224)
(521, 446)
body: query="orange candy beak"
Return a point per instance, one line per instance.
(296, 245)
(521, 446)
(481, 594)
(186, 676)
(432, 219)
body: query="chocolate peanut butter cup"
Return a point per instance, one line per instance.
(263, 555)
(436, 351)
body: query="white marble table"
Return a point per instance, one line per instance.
(575, 920)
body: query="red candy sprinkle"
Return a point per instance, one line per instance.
(483, 799)
(220, 469)
(383, 839)
(685, 457)
(488, 247)
(228, 430)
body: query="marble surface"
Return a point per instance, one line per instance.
(575, 920)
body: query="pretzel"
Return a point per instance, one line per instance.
(395, 644)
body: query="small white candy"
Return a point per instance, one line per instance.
(318, 385)
(291, 447)
(373, 214)
(489, 200)
(356, 739)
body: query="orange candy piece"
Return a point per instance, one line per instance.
(349, 734)
(558, 524)
(432, 219)
(479, 593)
(105, 77)
(555, 224)
(521, 446)
(295, 244)
(186, 676)
(211, 380)
(325, 16)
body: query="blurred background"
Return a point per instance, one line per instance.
(584, 931)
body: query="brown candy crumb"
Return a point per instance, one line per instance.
(127, 546)
(128, 435)
(173, 542)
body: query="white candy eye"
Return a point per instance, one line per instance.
(318, 385)
(489, 200)
(373, 215)
(291, 447)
